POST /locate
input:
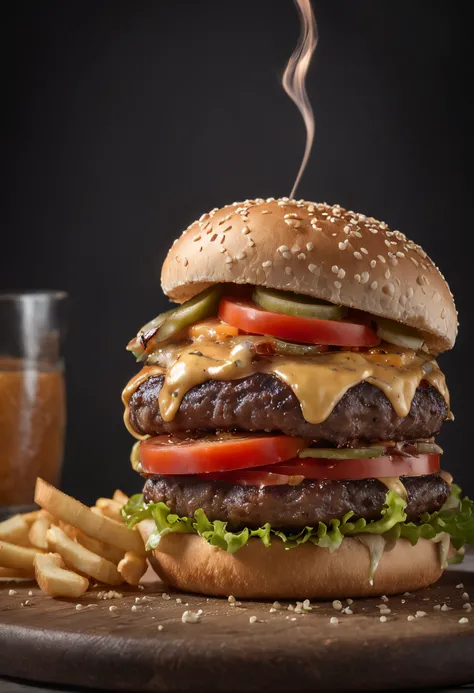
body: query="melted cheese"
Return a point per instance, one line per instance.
(319, 382)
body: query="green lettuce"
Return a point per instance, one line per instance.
(455, 518)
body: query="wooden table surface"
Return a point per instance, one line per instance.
(117, 643)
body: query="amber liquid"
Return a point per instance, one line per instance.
(32, 421)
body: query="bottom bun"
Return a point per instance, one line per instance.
(189, 563)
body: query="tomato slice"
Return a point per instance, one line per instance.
(215, 453)
(249, 317)
(396, 465)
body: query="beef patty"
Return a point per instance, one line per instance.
(263, 402)
(291, 507)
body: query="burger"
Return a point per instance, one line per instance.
(286, 409)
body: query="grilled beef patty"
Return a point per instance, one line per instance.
(291, 507)
(265, 403)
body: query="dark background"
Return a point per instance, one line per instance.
(124, 121)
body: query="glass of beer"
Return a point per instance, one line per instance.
(32, 393)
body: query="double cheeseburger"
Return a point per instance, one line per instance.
(286, 409)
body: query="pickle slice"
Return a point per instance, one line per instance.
(396, 333)
(297, 305)
(294, 349)
(202, 306)
(428, 449)
(343, 453)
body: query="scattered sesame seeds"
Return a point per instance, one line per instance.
(333, 621)
(465, 596)
(420, 614)
(165, 596)
(410, 618)
(11, 593)
(463, 620)
(30, 593)
(365, 251)
(160, 627)
(346, 229)
(79, 607)
(342, 245)
(337, 605)
(341, 273)
(266, 211)
(253, 619)
(357, 255)
(114, 607)
(383, 619)
(110, 594)
(191, 616)
(134, 608)
(445, 607)
(231, 599)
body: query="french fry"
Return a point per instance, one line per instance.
(13, 573)
(12, 556)
(37, 533)
(120, 497)
(55, 580)
(101, 513)
(81, 559)
(110, 508)
(110, 553)
(73, 512)
(132, 568)
(15, 530)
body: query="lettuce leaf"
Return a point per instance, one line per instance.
(456, 518)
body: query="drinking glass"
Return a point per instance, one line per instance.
(32, 393)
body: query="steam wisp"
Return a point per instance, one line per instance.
(294, 77)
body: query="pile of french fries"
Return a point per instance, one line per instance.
(65, 545)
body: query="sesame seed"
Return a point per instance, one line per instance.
(387, 243)
(312, 268)
(292, 215)
(203, 217)
(292, 222)
(357, 255)
(337, 284)
(253, 619)
(333, 621)
(364, 277)
(335, 269)
(437, 607)
(387, 274)
(113, 607)
(191, 616)
(365, 251)
(301, 256)
(222, 250)
(384, 598)
(373, 263)
(231, 599)
(373, 230)
(134, 608)
(242, 255)
(267, 263)
(309, 246)
(420, 614)
(460, 586)
(283, 248)
(350, 601)
(383, 619)
(410, 618)
(346, 229)
(229, 260)
(341, 274)
(381, 258)
(11, 593)
(310, 208)
(357, 277)
(445, 607)
(165, 596)
(245, 230)
(342, 246)
(463, 620)
(374, 285)
(160, 627)
(79, 607)
(400, 254)
(337, 605)
(465, 596)
(266, 211)
(467, 607)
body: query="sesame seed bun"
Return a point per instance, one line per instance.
(317, 250)
(187, 562)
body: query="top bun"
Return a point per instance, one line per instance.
(317, 250)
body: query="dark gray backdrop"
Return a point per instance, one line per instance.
(123, 121)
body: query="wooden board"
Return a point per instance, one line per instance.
(49, 640)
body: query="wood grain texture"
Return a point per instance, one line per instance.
(50, 641)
